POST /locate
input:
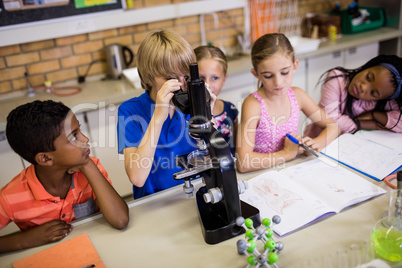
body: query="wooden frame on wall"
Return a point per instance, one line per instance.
(97, 21)
(21, 13)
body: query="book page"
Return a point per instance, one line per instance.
(303, 193)
(275, 194)
(364, 155)
(338, 186)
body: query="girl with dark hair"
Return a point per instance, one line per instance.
(368, 97)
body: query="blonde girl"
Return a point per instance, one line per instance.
(212, 65)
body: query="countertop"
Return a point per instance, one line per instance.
(353, 40)
(94, 95)
(326, 46)
(103, 93)
(164, 231)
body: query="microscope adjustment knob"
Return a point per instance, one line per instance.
(213, 196)
(188, 188)
(242, 186)
(207, 198)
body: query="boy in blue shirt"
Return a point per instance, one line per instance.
(151, 132)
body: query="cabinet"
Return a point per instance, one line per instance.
(11, 163)
(357, 56)
(237, 87)
(393, 11)
(299, 77)
(299, 80)
(103, 139)
(10, 166)
(316, 67)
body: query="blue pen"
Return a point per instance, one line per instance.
(294, 140)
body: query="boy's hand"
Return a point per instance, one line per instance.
(48, 232)
(75, 169)
(164, 96)
(82, 168)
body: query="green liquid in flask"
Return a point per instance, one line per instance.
(388, 244)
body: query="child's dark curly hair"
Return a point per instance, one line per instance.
(32, 128)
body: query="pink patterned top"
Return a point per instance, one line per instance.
(269, 137)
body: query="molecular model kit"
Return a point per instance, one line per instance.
(269, 255)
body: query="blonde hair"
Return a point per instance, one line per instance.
(269, 44)
(211, 52)
(163, 54)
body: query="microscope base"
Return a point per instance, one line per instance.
(214, 228)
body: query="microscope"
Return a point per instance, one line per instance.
(218, 199)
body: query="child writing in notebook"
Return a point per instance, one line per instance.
(212, 65)
(63, 183)
(368, 97)
(151, 132)
(273, 110)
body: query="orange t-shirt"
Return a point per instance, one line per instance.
(25, 201)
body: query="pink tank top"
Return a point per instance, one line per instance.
(269, 137)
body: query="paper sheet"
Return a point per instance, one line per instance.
(364, 155)
(76, 252)
(387, 138)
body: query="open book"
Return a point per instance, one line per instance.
(365, 155)
(306, 192)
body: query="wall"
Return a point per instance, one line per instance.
(393, 9)
(64, 59)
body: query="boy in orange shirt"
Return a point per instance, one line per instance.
(63, 183)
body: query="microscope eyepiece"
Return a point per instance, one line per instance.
(194, 74)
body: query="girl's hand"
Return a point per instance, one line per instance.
(290, 147)
(365, 116)
(309, 142)
(164, 97)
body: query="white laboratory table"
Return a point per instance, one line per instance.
(164, 231)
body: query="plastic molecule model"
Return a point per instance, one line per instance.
(269, 255)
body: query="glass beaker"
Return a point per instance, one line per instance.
(395, 203)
